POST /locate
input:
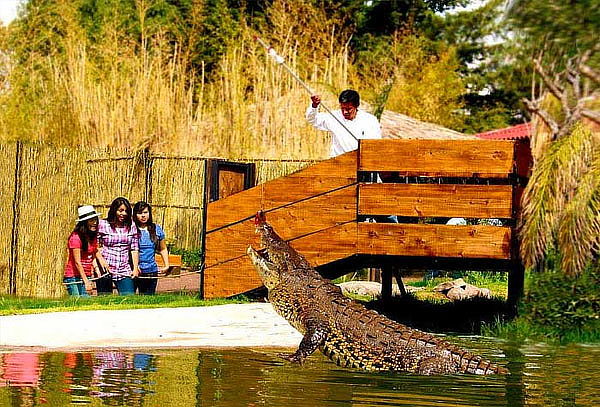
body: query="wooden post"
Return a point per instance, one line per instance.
(148, 163)
(205, 198)
(386, 284)
(516, 282)
(13, 261)
(374, 274)
(516, 275)
(398, 277)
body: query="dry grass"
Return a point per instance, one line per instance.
(126, 95)
(120, 95)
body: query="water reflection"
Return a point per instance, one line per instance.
(540, 376)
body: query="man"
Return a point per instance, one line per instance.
(361, 124)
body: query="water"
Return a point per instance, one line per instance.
(540, 376)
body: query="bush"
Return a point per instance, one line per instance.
(559, 304)
(189, 257)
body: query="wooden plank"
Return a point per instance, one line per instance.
(230, 242)
(233, 208)
(239, 276)
(328, 245)
(230, 278)
(479, 241)
(441, 158)
(436, 200)
(230, 182)
(302, 218)
(316, 179)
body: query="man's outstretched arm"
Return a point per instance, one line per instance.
(316, 119)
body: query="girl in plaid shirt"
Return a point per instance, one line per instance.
(118, 236)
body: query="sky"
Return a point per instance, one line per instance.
(8, 10)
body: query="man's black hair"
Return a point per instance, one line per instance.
(350, 96)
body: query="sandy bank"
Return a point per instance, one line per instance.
(232, 325)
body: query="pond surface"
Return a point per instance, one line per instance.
(541, 375)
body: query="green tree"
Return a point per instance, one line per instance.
(495, 80)
(562, 199)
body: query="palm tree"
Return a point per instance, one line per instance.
(561, 204)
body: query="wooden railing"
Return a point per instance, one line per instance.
(325, 211)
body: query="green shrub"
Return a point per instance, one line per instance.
(559, 304)
(189, 257)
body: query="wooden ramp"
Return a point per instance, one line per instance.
(324, 211)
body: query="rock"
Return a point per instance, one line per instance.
(460, 290)
(370, 288)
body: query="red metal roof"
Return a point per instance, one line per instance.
(520, 131)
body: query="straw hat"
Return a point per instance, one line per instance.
(86, 212)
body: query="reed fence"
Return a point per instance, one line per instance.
(42, 186)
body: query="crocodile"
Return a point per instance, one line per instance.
(344, 330)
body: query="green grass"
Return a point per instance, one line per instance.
(557, 307)
(10, 305)
(496, 282)
(521, 330)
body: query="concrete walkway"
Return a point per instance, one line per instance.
(232, 325)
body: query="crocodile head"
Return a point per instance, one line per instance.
(267, 270)
(278, 258)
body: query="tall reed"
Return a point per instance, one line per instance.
(124, 95)
(145, 93)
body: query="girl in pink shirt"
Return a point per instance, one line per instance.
(83, 252)
(118, 237)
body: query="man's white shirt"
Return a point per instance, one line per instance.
(363, 126)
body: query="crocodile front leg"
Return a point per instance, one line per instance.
(310, 342)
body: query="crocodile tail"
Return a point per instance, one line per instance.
(479, 366)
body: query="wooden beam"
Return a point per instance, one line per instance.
(523, 158)
(439, 158)
(436, 200)
(317, 179)
(478, 241)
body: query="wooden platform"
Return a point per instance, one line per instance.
(324, 210)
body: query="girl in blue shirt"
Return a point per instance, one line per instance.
(152, 241)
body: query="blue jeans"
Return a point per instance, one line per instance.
(146, 286)
(125, 286)
(104, 285)
(75, 286)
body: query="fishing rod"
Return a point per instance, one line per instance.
(280, 61)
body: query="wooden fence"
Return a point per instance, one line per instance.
(42, 186)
